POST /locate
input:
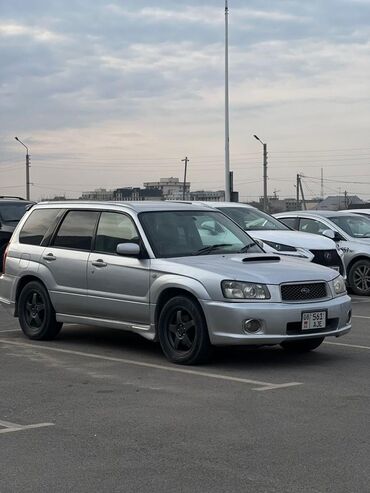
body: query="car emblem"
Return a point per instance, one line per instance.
(327, 256)
(305, 291)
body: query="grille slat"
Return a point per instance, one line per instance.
(303, 292)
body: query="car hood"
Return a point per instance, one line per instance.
(258, 268)
(296, 239)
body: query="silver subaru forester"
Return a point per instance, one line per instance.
(184, 275)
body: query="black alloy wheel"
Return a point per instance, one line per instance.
(183, 333)
(304, 345)
(36, 313)
(359, 278)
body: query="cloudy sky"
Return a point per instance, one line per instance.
(114, 93)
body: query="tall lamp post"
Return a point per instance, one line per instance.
(227, 126)
(27, 168)
(265, 206)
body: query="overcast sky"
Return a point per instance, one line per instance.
(114, 93)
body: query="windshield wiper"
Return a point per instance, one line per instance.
(246, 247)
(208, 249)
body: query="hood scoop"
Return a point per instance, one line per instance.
(262, 258)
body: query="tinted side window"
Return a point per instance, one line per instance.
(37, 225)
(311, 226)
(289, 221)
(76, 230)
(113, 229)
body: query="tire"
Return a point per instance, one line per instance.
(183, 333)
(36, 313)
(302, 346)
(359, 278)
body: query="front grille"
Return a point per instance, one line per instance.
(303, 292)
(329, 258)
(295, 328)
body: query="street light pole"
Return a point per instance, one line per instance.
(227, 125)
(27, 168)
(186, 160)
(265, 203)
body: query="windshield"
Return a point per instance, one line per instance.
(355, 226)
(13, 212)
(185, 233)
(253, 219)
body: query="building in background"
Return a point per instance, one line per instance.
(208, 196)
(136, 193)
(171, 188)
(339, 202)
(98, 194)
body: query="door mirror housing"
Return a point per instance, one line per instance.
(128, 249)
(333, 235)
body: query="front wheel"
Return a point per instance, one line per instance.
(36, 313)
(359, 278)
(303, 346)
(183, 333)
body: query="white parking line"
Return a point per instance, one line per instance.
(359, 316)
(262, 386)
(9, 330)
(11, 427)
(347, 345)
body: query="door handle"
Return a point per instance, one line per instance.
(49, 256)
(99, 263)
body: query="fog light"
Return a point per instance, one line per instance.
(349, 317)
(253, 326)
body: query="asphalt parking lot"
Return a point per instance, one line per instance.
(102, 410)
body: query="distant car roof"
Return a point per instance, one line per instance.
(217, 204)
(316, 213)
(140, 206)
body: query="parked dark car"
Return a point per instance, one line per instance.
(12, 210)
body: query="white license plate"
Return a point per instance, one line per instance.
(313, 320)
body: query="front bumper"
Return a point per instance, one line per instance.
(281, 321)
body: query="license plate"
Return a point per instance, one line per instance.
(313, 320)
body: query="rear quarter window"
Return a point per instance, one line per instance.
(37, 225)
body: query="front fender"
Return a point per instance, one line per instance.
(160, 283)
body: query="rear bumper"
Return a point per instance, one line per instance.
(225, 321)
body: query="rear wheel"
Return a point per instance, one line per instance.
(359, 277)
(303, 346)
(36, 313)
(183, 332)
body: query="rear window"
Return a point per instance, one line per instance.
(13, 213)
(77, 230)
(37, 225)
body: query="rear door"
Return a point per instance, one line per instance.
(118, 286)
(64, 261)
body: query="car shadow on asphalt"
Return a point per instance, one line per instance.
(108, 341)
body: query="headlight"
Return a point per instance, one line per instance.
(280, 247)
(236, 290)
(339, 285)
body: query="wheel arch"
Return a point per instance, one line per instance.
(23, 281)
(169, 293)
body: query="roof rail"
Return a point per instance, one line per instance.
(11, 197)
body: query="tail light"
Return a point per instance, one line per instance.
(4, 257)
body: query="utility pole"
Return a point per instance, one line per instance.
(322, 183)
(27, 168)
(232, 186)
(186, 160)
(346, 201)
(265, 201)
(227, 125)
(300, 189)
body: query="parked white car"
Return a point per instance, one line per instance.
(351, 232)
(279, 238)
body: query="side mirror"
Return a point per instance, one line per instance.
(333, 235)
(128, 249)
(329, 233)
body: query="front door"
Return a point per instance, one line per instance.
(118, 286)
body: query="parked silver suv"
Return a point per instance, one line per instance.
(185, 275)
